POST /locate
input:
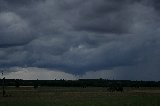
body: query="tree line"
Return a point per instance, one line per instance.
(80, 83)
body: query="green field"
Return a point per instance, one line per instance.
(68, 96)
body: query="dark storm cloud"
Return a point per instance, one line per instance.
(77, 36)
(14, 30)
(105, 17)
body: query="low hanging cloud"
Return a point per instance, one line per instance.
(82, 37)
(33, 73)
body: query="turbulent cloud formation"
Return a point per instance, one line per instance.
(82, 37)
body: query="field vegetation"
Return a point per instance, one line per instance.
(78, 96)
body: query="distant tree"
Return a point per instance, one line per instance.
(17, 83)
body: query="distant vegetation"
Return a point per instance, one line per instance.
(116, 84)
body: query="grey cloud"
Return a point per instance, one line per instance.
(105, 17)
(14, 30)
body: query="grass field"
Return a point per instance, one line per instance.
(68, 96)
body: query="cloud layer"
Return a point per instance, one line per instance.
(82, 36)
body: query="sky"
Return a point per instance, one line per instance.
(72, 39)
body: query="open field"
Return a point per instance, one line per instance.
(69, 96)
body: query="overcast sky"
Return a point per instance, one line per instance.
(71, 39)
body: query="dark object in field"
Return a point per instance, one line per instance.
(120, 89)
(36, 84)
(3, 90)
(4, 93)
(113, 89)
